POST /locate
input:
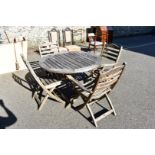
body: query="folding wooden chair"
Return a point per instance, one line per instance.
(68, 41)
(98, 87)
(43, 84)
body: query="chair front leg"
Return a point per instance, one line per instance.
(43, 102)
(94, 48)
(37, 94)
(102, 50)
(110, 103)
(89, 46)
(34, 94)
(92, 115)
(45, 99)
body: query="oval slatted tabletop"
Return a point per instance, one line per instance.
(70, 62)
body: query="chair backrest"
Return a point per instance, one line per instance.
(91, 37)
(91, 34)
(106, 81)
(47, 48)
(54, 36)
(32, 71)
(112, 52)
(67, 36)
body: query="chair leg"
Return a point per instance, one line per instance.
(89, 46)
(94, 49)
(58, 50)
(43, 102)
(34, 95)
(92, 115)
(110, 103)
(35, 92)
(52, 96)
(102, 50)
(95, 120)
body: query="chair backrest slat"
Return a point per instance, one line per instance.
(108, 82)
(104, 87)
(113, 53)
(110, 75)
(110, 56)
(32, 72)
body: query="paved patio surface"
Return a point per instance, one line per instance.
(133, 97)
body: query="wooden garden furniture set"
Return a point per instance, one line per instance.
(98, 83)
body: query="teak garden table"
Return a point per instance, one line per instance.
(70, 62)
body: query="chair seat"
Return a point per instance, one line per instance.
(73, 48)
(97, 43)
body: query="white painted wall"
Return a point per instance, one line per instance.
(7, 56)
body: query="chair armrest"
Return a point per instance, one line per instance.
(53, 85)
(78, 84)
(108, 65)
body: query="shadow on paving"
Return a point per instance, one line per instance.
(144, 44)
(9, 120)
(64, 91)
(29, 83)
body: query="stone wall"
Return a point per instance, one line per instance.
(122, 31)
(37, 34)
